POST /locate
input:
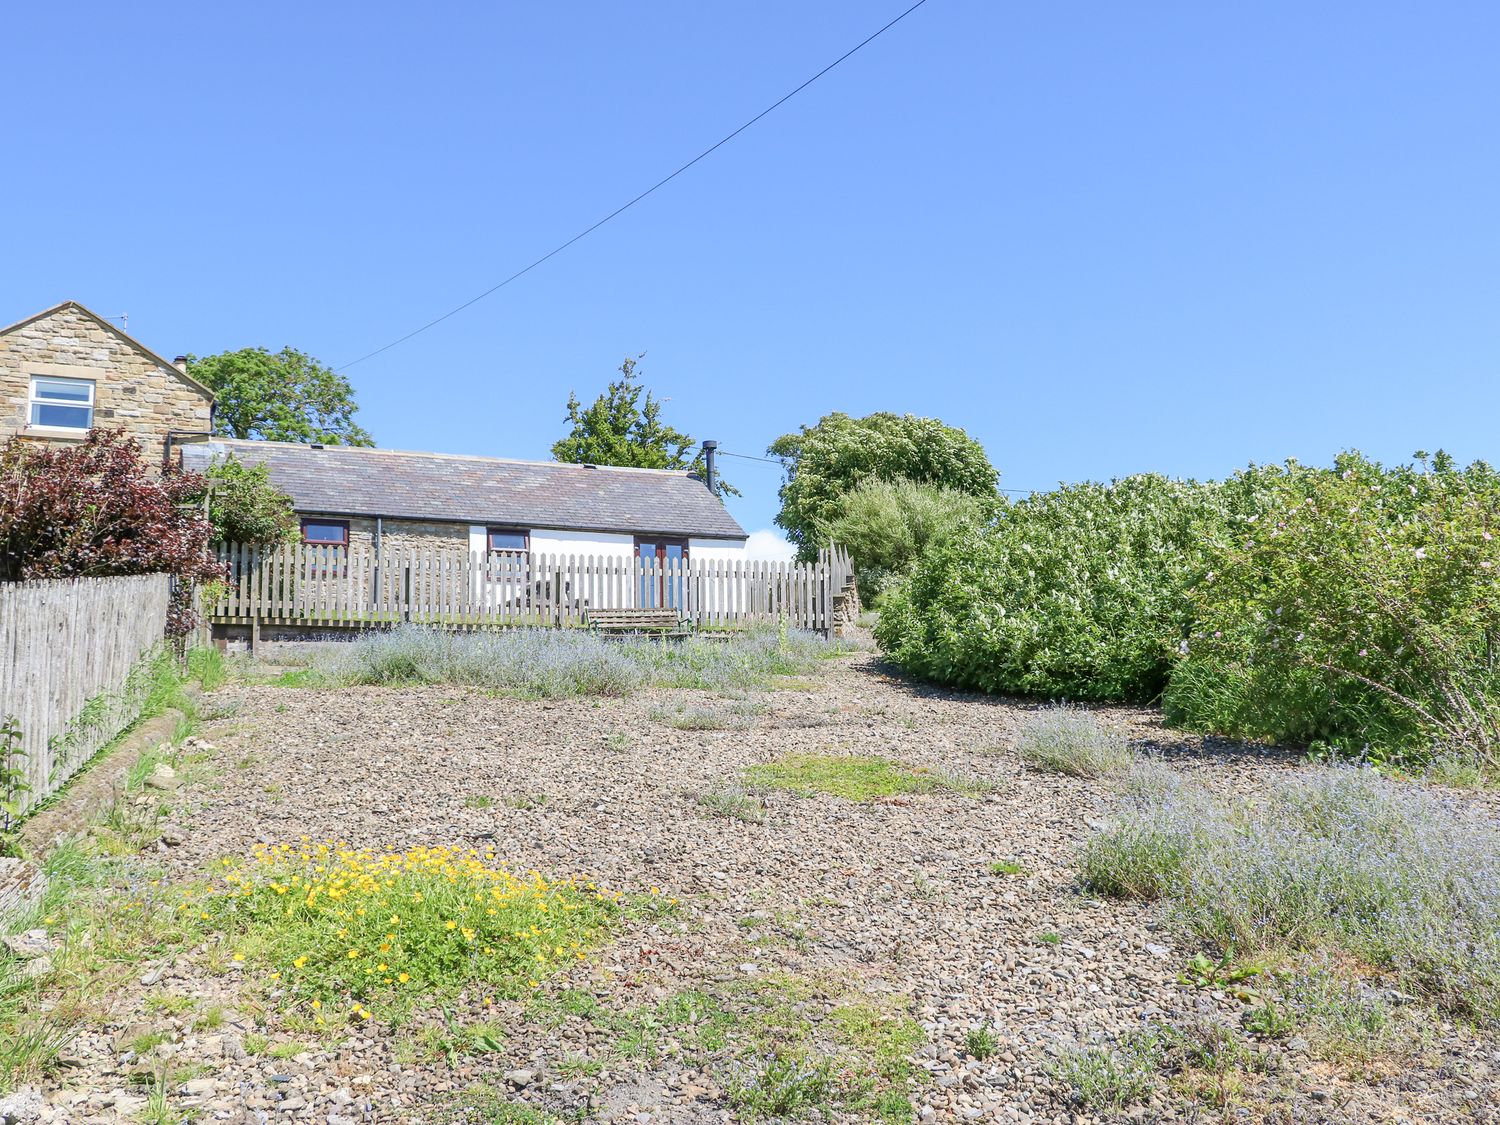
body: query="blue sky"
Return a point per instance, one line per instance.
(1103, 238)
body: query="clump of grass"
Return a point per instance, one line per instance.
(552, 663)
(735, 804)
(781, 1084)
(341, 931)
(1105, 1077)
(485, 1105)
(854, 778)
(1071, 741)
(736, 715)
(207, 666)
(1006, 867)
(1333, 858)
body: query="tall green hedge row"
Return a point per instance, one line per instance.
(1356, 605)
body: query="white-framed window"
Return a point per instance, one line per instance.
(62, 404)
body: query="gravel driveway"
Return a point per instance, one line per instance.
(894, 899)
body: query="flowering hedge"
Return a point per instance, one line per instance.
(1080, 593)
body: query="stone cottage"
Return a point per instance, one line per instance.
(347, 496)
(66, 370)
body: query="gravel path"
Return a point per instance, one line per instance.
(894, 898)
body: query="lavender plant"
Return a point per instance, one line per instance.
(1338, 858)
(553, 663)
(1063, 739)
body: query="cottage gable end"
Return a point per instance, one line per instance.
(66, 369)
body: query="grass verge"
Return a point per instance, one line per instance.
(856, 778)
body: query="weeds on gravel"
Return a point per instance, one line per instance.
(777, 1045)
(344, 933)
(854, 778)
(736, 715)
(1105, 1077)
(1343, 1017)
(981, 1042)
(1333, 858)
(1068, 740)
(484, 1105)
(735, 804)
(551, 663)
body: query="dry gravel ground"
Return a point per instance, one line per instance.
(893, 898)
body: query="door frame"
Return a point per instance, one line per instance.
(661, 542)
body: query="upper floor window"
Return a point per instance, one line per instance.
(62, 404)
(325, 533)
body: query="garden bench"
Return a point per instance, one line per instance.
(643, 622)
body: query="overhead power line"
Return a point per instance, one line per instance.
(650, 190)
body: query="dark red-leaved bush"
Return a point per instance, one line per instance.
(96, 509)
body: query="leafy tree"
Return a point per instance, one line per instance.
(825, 461)
(245, 507)
(96, 509)
(887, 524)
(281, 396)
(623, 426)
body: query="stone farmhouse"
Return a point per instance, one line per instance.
(67, 370)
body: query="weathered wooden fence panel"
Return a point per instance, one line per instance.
(68, 649)
(315, 585)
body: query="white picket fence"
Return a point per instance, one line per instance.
(299, 584)
(68, 649)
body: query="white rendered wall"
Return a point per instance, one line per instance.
(583, 543)
(716, 549)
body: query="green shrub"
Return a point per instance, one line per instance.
(1073, 742)
(1358, 607)
(245, 507)
(1080, 593)
(887, 524)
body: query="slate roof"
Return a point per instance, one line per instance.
(342, 480)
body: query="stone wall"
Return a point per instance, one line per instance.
(410, 535)
(133, 390)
